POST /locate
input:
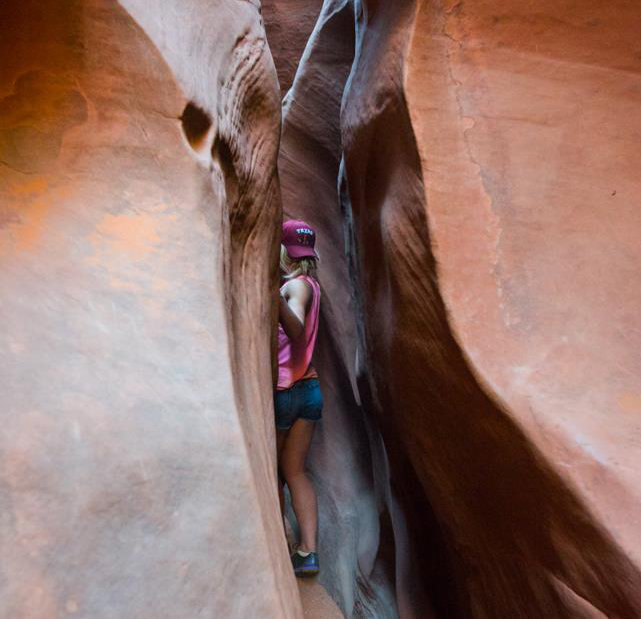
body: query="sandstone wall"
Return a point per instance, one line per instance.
(538, 111)
(528, 531)
(472, 172)
(136, 285)
(288, 25)
(491, 267)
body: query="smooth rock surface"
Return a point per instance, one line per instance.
(471, 106)
(138, 475)
(316, 603)
(288, 25)
(539, 251)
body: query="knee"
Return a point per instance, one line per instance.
(292, 473)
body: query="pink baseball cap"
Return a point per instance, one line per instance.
(299, 239)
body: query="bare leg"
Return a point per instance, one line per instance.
(292, 463)
(281, 435)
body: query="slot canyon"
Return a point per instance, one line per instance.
(473, 172)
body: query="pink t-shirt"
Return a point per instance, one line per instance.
(295, 356)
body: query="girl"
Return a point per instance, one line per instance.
(298, 401)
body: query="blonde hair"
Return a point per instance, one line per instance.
(293, 267)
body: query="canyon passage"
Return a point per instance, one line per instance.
(472, 172)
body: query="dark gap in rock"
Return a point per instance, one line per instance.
(428, 584)
(195, 124)
(221, 152)
(385, 562)
(434, 585)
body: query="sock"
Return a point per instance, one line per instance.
(302, 553)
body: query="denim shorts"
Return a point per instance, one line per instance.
(303, 400)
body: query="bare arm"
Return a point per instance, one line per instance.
(293, 306)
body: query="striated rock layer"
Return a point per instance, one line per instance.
(138, 477)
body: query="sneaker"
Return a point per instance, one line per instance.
(305, 565)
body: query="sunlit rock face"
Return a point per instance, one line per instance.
(137, 276)
(485, 222)
(527, 126)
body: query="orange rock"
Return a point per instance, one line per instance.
(480, 148)
(472, 171)
(138, 475)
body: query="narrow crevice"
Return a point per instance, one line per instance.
(195, 124)
(221, 152)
